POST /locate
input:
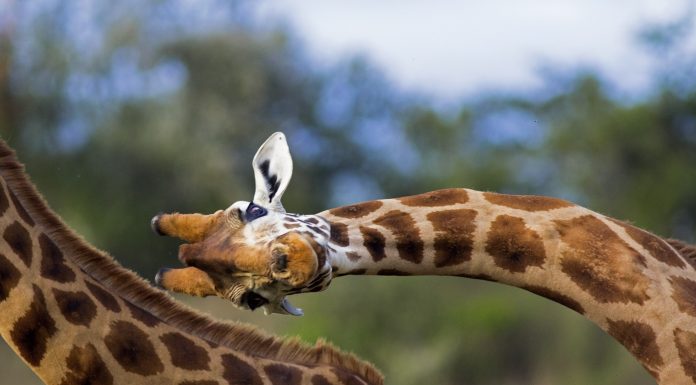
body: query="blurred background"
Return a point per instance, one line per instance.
(124, 109)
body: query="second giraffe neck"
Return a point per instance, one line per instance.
(629, 282)
(75, 316)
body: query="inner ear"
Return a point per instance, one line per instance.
(293, 259)
(272, 166)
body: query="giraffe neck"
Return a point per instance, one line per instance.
(75, 316)
(630, 283)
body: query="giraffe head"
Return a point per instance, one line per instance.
(253, 254)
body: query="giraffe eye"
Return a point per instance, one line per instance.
(254, 211)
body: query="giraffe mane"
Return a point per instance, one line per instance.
(686, 250)
(125, 283)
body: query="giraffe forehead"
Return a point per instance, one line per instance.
(315, 227)
(275, 224)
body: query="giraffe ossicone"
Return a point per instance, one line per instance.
(638, 287)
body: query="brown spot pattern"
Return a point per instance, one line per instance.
(556, 297)
(318, 250)
(142, 315)
(18, 238)
(20, 209)
(318, 379)
(357, 210)
(53, 262)
(185, 353)
(444, 197)
(9, 277)
(31, 332)
(686, 346)
(657, 247)
(526, 202)
(600, 262)
(374, 242)
(291, 226)
(408, 241)
(684, 294)
(280, 374)
(75, 306)
(639, 339)
(453, 230)
(238, 372)
(353, 256)
(339, 234)
(318, 230)
(86, 367)
(514, 246)
(4, 202)
(132, 349)
(104, 297)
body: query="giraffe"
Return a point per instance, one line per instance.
(75, 316)
(638, 287)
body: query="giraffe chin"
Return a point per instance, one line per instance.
(282, 307)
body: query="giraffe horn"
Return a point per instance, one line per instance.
(189, 227)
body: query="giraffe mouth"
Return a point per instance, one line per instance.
(269, 302)
(286, 307)
(253, 300)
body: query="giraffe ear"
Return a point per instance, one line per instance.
(272, 171)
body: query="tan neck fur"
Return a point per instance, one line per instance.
(76, 316)
(634, 285)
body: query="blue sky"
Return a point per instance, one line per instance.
(459, 48)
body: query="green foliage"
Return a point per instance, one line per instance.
(161, 107)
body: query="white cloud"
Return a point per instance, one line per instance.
(457, 47)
